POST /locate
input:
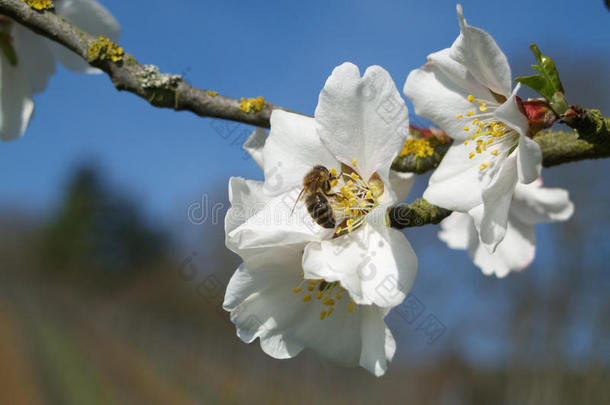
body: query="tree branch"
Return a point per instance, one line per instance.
(160, 90)
(170, 91)
(418, 213)
(557, 147)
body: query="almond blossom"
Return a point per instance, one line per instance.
(466, 90)
(326, 286)
(531, 204)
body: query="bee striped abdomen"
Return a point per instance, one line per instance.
(320, 210)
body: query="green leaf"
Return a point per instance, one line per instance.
(547, 83)
(538, 83)
(547, 68)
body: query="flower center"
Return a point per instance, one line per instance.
(354, 199)
(324, 294)
(488, 136)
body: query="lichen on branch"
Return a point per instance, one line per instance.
(420, 212)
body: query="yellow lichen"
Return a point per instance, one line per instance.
(39, 4)
(252, 104)
(419, 147)
(103, 49)
(212, 93)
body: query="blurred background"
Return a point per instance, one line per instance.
(112, 257)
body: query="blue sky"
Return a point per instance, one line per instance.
(281, 50)
(284, 51)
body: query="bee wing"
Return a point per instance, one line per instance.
(297, 200)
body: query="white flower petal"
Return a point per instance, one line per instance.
(496, 200)
(509, 113)
(401, 184)
(16, 105)
(34, 56)
(362, 118)
(457, 231)
(376, 264)
(91, 17)
(255, 144)
(247, 199)
(439, 92)
(530, 155)
(276, 225)
(378, 345)
(530, 160)
(456, 184)
(478, 51)
(534, 204)
(514, 253)
(263, 304)
(292, 149)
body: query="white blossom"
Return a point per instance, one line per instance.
(466, 90)
(35, 61)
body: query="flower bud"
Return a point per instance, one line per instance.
(539, 114)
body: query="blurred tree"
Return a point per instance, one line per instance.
(99, 231)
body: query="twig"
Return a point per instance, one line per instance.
(160, 90)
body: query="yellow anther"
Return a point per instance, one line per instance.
(347, 210)
(333, 183)
(311, 287)
(466, 129)
(373, 188)
(469, 114)
(368, 195)
(471, 155)
(418, 147)
(322, 315)
(338, 231)
(350, 307)
(483, 108)
(362, 204)
(354, 161)
(484, 166)
(307, 298)
(329, 302)
(458, 116)
(319, 295)
(466, 142)
(212, 93)
(333, 172)
(338, 295)
(313, 282)
(350, 183)
(297, 289)
(475, 121)
(494, 152)
(330, 311)
(355, 176)
(471, 98)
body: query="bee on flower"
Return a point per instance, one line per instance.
(321, 267)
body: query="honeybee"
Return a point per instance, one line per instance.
(316, 190)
